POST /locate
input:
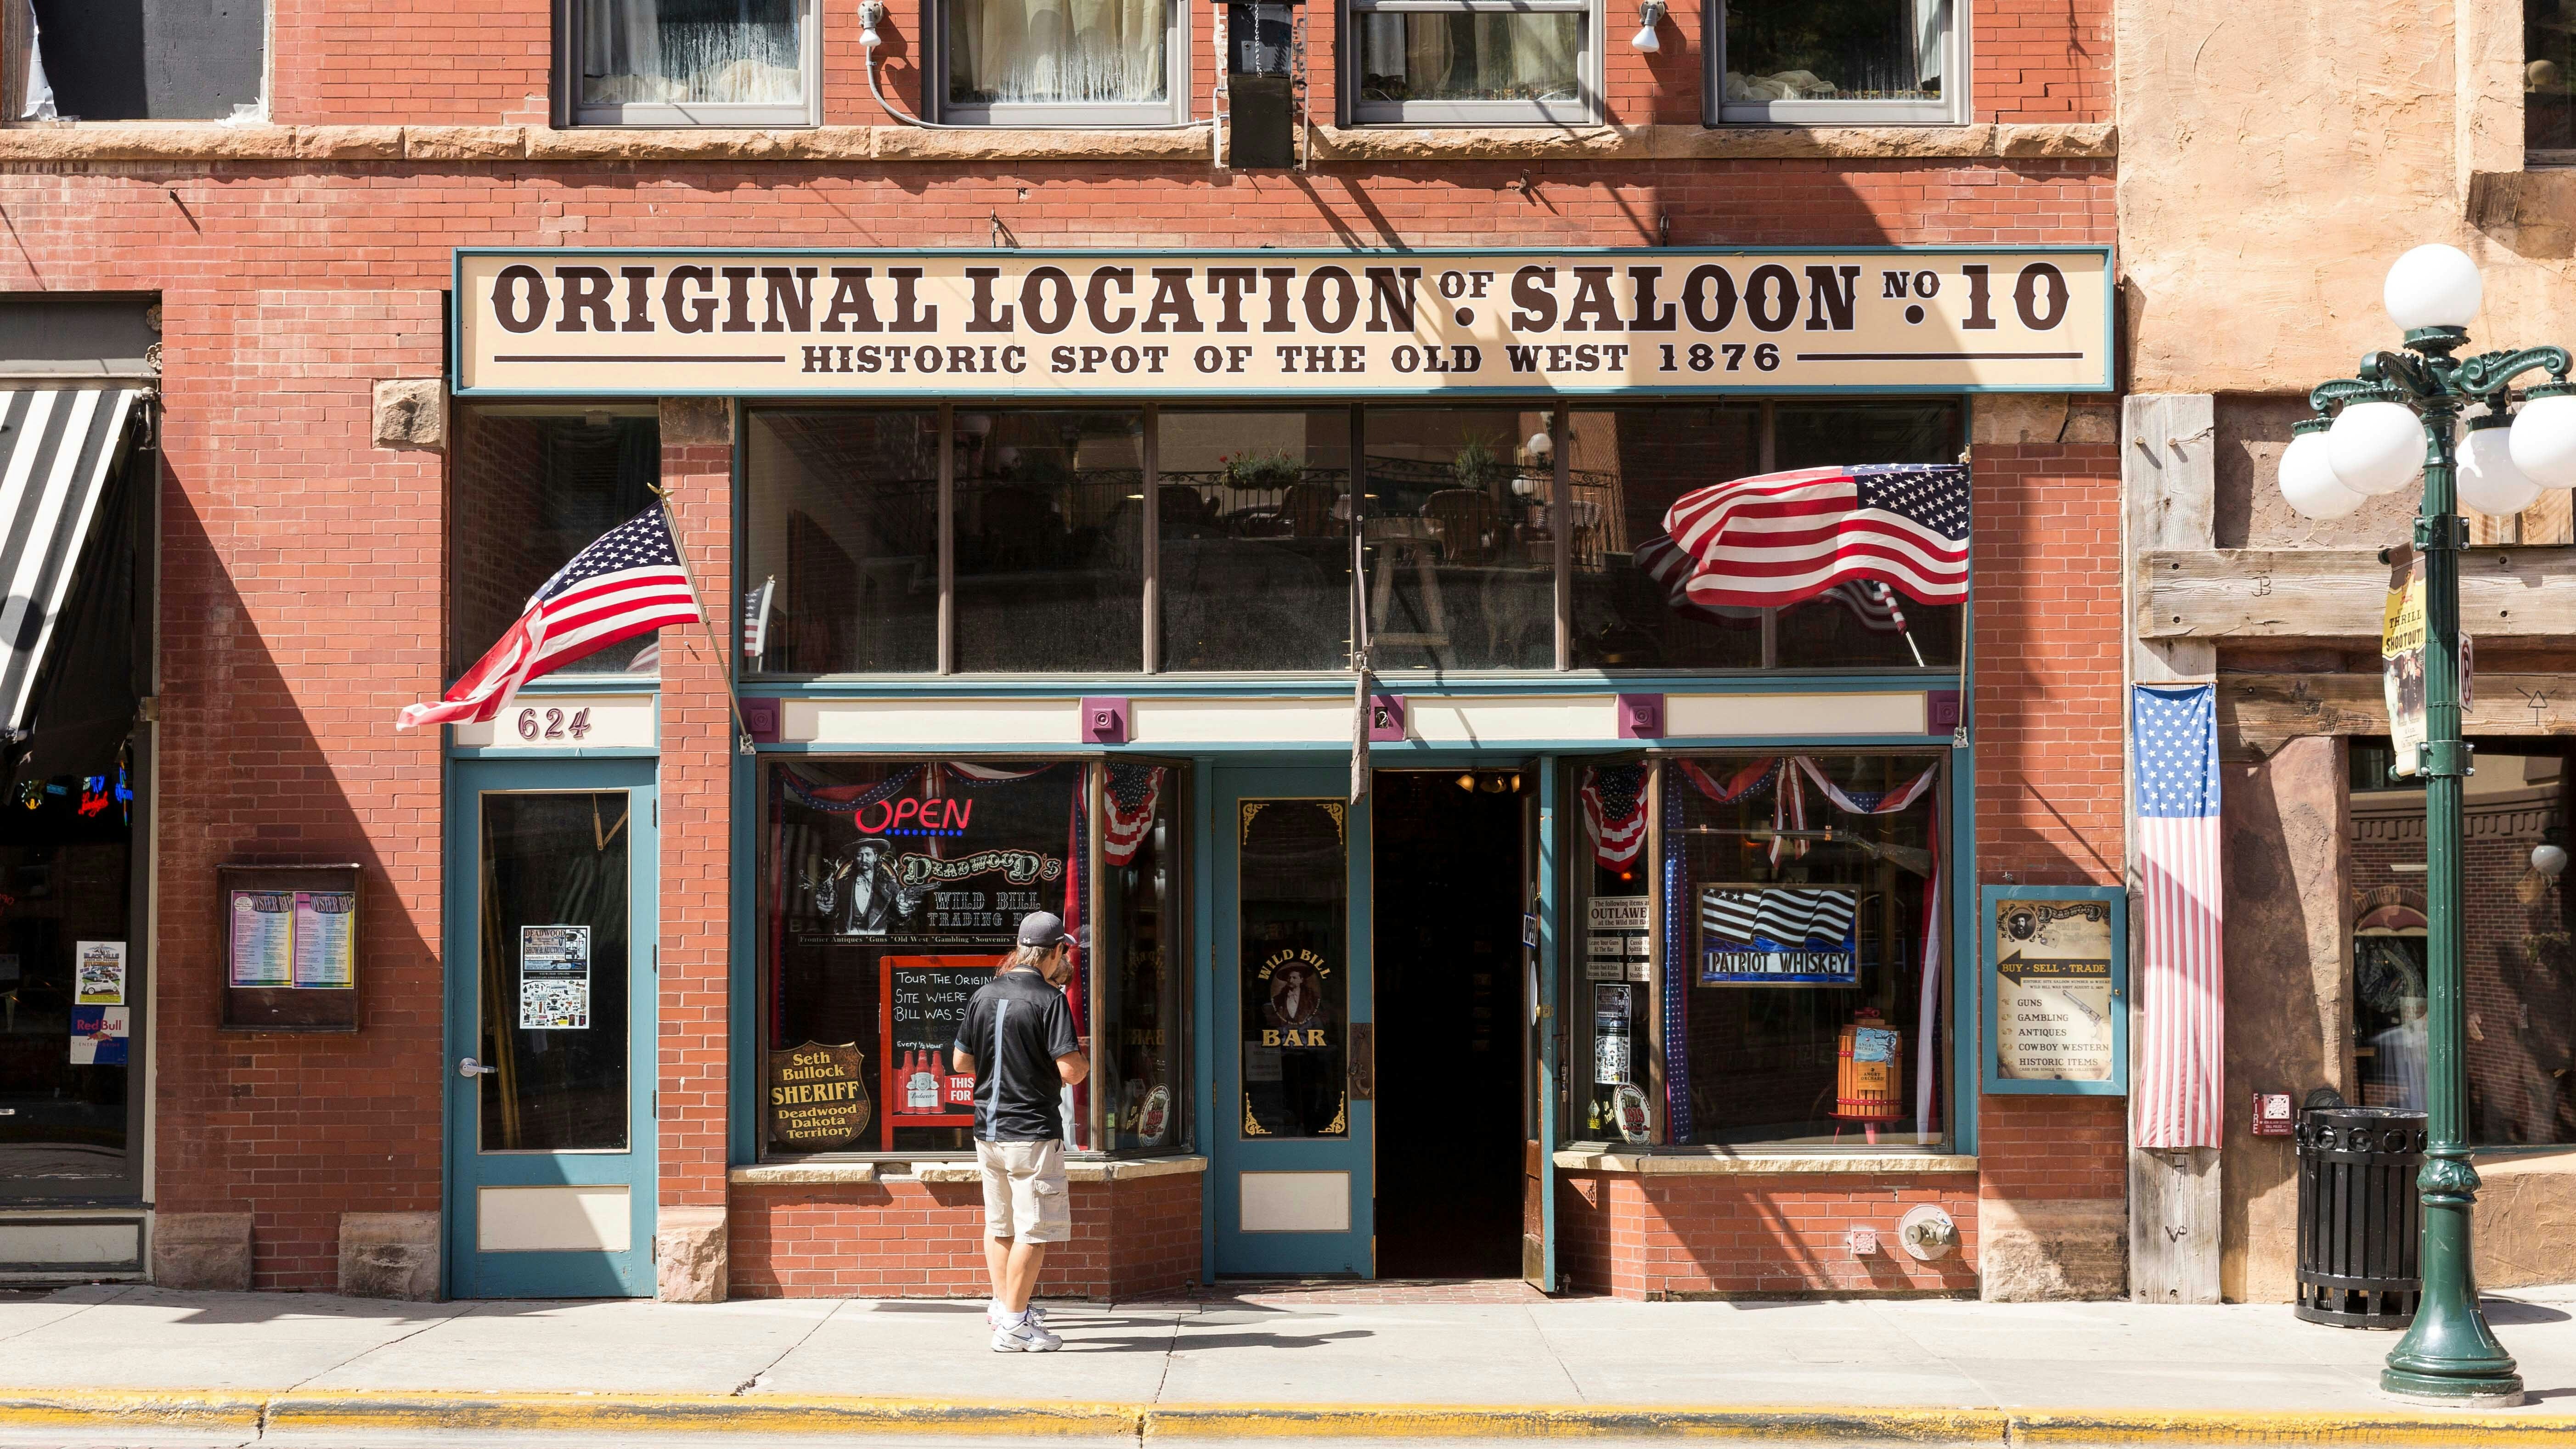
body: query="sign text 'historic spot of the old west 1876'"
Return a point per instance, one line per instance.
(862, 324)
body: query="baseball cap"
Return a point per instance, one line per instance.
(1042, 928)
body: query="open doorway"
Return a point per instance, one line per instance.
(1446, 903)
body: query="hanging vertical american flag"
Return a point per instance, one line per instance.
(628, 582)
(1133, 792)
(2182, 1037)
(1614, 813)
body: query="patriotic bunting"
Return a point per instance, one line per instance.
(1614, 812)
(1133, 792)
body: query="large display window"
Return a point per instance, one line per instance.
(1761, 951)
(892, 890)
(1510, 536)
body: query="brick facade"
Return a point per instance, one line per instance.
(306, 576)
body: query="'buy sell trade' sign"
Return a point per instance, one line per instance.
(1047, 324)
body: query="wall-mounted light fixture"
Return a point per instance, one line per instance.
(1651, 14)
(870, 12)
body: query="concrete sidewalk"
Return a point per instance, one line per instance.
(1286, 1361)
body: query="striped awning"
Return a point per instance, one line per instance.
(57, 445)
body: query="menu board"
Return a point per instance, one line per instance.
(923, 998)
(2058, 1014)
(290, 941)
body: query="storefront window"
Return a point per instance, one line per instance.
(1250, 556)
(2518, 969)
(1628, 465)
(1143, 957)
(843, 537)
(67, 1009)
(1293, 862)
(1793, 895)
(1256, 539)
(1050, 541)
(530, 486)
(1461, 562)
(1856, 60)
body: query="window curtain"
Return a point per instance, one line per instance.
(1928, 24)
(1476, 55)
(1059, 52)
(690, 51)
(39, 103)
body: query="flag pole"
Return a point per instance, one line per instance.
(724, 665)
(1361, 723)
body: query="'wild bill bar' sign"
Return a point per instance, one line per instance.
(1050, 324)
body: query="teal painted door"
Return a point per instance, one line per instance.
(1291, 1023)
(551, 870)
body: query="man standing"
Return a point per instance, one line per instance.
(1018, 1042)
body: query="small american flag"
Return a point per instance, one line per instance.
(1614, 813)
(628, 582)
(2182, 1032)
(1132, 794)
(1776, 539)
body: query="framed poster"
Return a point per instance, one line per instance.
(2057, 986)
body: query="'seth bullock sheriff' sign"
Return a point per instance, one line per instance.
(1055, 324)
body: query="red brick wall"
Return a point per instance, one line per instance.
(2050, 731)
(489, 62)
(1719, 1234)
(1132, 1239)
(698, 746)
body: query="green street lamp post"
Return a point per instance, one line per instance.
(2396, 418)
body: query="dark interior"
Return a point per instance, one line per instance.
(1449, 974)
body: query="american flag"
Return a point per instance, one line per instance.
(1663, 561)
(628, 582)
(2182, 1036)
(1132, 794)
(1778, 538)
(1614, 813)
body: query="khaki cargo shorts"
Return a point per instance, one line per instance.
(1024, 1192)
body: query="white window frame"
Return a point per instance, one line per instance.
(1583, 110)
(1174, 109)
(1950, 110)
(570, 111)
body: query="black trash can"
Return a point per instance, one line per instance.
(2360, 1220)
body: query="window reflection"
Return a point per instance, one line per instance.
(1050, 541)
(532, 486)
(844, 533)
(1256, 552)
(1627, 465)
(1460, 555)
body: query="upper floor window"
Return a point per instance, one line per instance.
(2549, 80)
(138, 60)
(688, 62)
(1063, 62)
(1834, 62)
(1472, 62)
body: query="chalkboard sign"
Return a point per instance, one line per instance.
(924, 998)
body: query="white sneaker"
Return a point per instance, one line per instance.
(1025, 1336)
(993, 1316)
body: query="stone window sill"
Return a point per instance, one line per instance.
(826, 1171)
(178, 141)
(1757, 1163)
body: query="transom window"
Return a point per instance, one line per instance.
(1505, 535)
(1472, 62)
(687, 62)
(1834, 62)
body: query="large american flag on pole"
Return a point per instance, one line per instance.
(1778, 538)
(628, 582)
(2177, 1078)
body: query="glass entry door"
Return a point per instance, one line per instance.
(551, 869)
(1295, 1055)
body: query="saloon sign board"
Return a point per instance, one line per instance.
(1031, 324)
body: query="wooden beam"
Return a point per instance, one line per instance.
(2284, 706)
(2338, 593)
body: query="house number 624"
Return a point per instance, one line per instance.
(554, 725)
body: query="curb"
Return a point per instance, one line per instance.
(256, 1412)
